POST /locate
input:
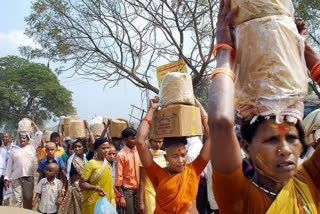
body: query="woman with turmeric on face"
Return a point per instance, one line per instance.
(277, 185)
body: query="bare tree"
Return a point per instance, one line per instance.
(111, 40)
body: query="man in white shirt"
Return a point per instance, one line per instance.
(20, 168)
(5, 149)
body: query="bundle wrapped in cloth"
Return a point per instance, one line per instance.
(176, 88)
(252, 9)
(269, 65)
(24, 125)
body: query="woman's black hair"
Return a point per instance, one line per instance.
(169, 141)
(99, 142)
(53, 135)
(248, 131)
(129, 132)
(82, 141)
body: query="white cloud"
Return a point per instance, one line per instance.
(10, 42)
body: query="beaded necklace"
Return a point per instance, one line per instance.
(263, 189)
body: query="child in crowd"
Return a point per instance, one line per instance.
(51, 149)
(50, 191)
(111, 156)
(55, 137)
(68, 153)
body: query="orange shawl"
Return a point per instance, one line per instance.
(175, 193)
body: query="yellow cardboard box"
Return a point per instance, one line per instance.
(176, 121)
(178, 66)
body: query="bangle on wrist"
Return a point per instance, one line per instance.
(224, 46)
(225, 71)
(315, 72)
(148, 121)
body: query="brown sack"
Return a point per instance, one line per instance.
(116, 127)
(77, 129)
(97, 129)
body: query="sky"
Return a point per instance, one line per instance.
(89, 98)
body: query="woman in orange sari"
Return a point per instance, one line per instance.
(176, 185)
(96, 179)
(277, 185)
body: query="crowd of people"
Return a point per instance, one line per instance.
(73, 174)
(259, 166)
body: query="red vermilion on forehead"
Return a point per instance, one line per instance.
(283, 128)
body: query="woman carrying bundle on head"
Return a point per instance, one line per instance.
(277, 185)
(176, 186)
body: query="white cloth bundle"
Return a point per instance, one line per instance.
(176, 88)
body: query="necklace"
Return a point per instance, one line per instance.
(263, 189)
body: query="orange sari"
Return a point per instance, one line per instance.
(175, 193)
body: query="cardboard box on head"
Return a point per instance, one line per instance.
(116, 127)
(176, 121)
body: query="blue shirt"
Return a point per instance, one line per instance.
(44, 162)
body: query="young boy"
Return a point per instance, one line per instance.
(51, 149)
(49, 189)
(55, 137)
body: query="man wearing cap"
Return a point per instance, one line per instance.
(20, 168)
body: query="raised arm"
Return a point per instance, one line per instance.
(91, 137)
(205, 151)
(105, 130)
(310, 55)
(37, 136)
(142, 135)
(225, 150)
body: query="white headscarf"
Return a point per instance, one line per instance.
(311, 126)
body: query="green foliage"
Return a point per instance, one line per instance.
(30, 90)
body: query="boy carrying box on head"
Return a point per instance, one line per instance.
(49, 189)
(51, 149)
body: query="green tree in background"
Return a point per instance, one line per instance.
(30, 90)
